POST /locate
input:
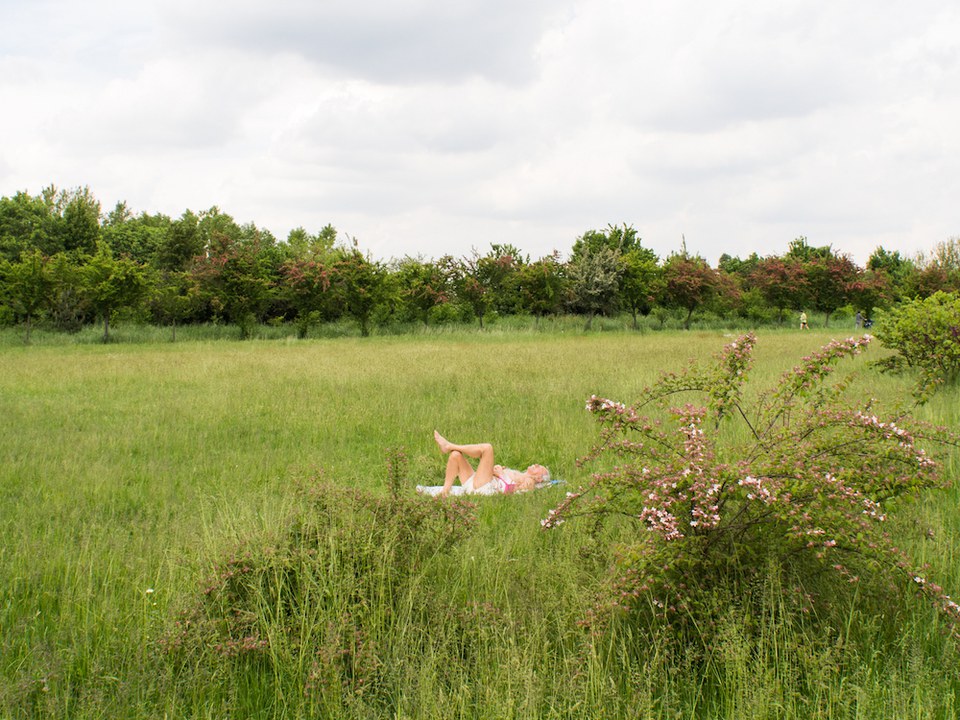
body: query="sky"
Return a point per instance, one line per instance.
(428, 127)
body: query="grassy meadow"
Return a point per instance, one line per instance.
(128, 472)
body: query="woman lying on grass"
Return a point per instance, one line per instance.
(487, 479)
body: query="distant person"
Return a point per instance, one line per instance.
(858, 320)
(487, 479)
(803, 321)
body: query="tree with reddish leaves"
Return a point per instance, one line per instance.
(306, 288)
(689, 283)
(830, 279)
(869, 290)
(782, 283)
(235, 280)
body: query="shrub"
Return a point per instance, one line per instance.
(326, 598)
(802, 489)
(926, 337)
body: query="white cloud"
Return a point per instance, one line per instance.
(431, 127)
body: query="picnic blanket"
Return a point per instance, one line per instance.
(435, 490)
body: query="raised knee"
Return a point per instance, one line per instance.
(456, 454)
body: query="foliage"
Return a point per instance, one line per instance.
(173, 298)
(806, 487)
(330, 590)
(640, 281)
(543, 286)
(138, 238)
(67, 303)
(595, 282)
(943, 263)
(782, 282)
(26, 224)
(111, 284)
(27, 286)
(869, 290)
(181, 244)
(926, 337)
(242, 275)
(486, 282)
(689, 283)
(896, 269)
(306, 288)
(424, 285)
(830, 278)
(619, 239)
(235, 280)
(360, 285)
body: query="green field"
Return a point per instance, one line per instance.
(127, 472)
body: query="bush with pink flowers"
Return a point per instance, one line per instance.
(803, 488)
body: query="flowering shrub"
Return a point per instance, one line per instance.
(805, 484)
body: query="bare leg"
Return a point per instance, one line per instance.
(483, 451)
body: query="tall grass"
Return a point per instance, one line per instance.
(128, 472)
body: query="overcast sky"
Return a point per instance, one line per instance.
(437, 126)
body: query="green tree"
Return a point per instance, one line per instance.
(67, 303)
(641, 281)
(26, 286)
(899, 271)
(111, 284)
(360, 286)
(544, 286)
(316, 247)
(595, 281)
(181, 244)
(79, 213)
(139, 238)
(423, 285)
(27, 224)
(499, 274)
(925, 334)
(620, 239)
(735, 266)
(173, 298)
(801, 249)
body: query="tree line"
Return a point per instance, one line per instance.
(65, 263)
